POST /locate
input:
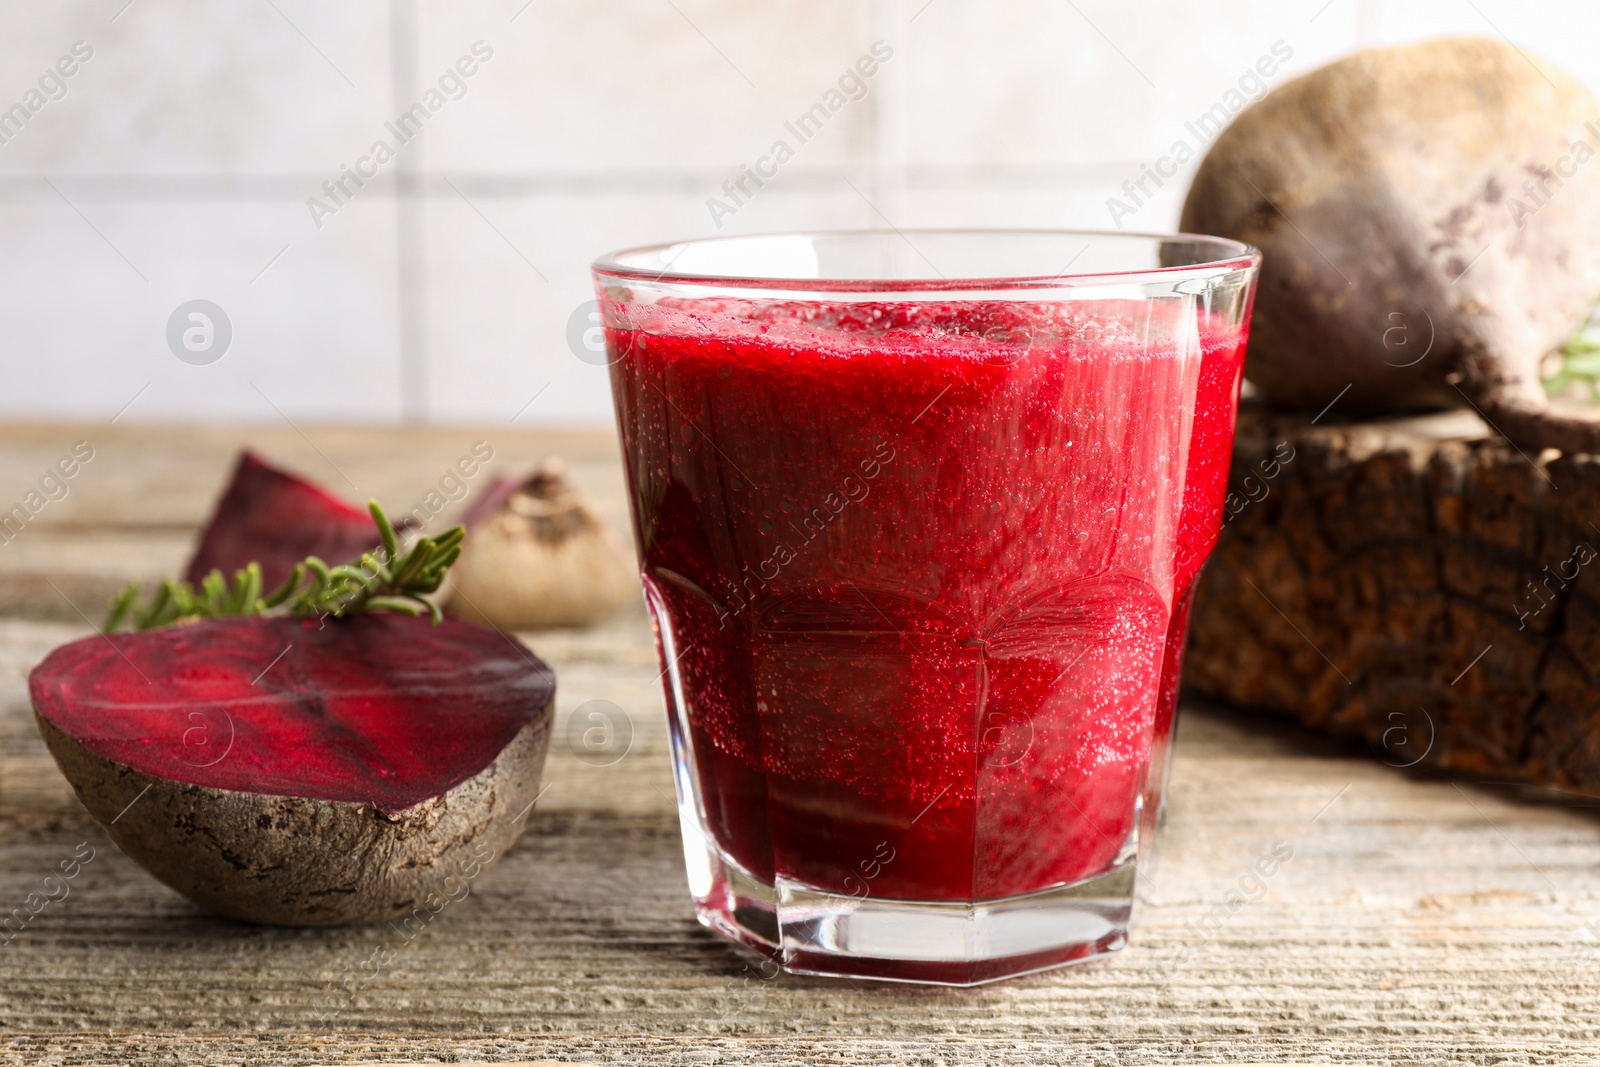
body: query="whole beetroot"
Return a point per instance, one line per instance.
(1430, 220)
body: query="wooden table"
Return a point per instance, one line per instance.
(1420, 920)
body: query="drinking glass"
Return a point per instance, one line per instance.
(919, 515)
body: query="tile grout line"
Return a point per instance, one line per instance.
(887, 126)
(410, 251)
(253, 186)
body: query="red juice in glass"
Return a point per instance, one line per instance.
(1205, 487)
(917, 551)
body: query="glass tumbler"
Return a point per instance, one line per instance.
(918, 516)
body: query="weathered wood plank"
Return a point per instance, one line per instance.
(1419, 920)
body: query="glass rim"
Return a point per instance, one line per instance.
(1232, 255)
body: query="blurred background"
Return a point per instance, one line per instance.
(228, 153)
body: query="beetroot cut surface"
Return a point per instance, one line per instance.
(278, 519)
(382, 709)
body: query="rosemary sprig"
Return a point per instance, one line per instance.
(382, 580)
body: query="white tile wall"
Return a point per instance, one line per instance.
(177, 87)
(178, 163)
(639, 86)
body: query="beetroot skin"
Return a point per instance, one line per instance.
(302, 771)
(278, 519)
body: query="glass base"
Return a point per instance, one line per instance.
(941, 943)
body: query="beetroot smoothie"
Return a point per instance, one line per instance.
(919, 515)
(915, 567)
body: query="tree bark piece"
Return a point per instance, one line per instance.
(1416, 582)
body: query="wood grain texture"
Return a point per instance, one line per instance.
(1420, 920)
(1416, 583)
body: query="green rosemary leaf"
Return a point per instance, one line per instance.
(214, 591)
(391, 543)
(248, 590)
(157, 608)
(120, 608)
(414, 562)
(395, 603)
(286, 590)
(448, 539)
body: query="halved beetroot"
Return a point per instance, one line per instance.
(301, 771)
(278, 519)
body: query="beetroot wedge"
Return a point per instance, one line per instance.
(301, 771)
(277, 519)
